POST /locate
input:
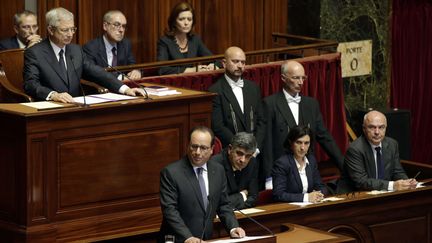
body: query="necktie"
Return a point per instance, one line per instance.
(380, 165)
(296, 99)
(237, 175)
(114, 59)
(202, 186)
(62, 65)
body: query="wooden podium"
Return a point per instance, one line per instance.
(78, 173)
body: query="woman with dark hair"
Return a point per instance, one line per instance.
(180, 42)
(295, 174)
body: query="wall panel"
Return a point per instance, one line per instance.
(221, 23)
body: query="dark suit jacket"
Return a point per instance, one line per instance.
(42, 71)
(248, 180)
(280, 120)
(360, 164)
(167, 49)
(9, 43)
(182, 204)
(251, 121)
(287, 185)
(96, 52)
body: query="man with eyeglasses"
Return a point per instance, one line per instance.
(112, 48)
(241, 170)
(25, 27)
(372, 160)
(192, 191)
(288, 109)
(53, 68)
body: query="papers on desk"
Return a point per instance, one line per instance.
(250, 210)
(161, 92)
(246, 238)
(332, 199)
(301, 204)
(43, 105)
(376, 192)
(102, 98)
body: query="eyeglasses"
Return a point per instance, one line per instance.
(303, 78)
(66, 30)
(195, 147)
(118, 25)
(29, 27)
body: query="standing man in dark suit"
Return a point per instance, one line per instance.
(25, 27)
(112, 48)
(287, 109)
(54, 67)
(192, 191)
(372, 160)
(241, 170)
(238, 106)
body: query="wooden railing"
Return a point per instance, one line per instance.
(286, 46)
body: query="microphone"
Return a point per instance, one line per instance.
(253, 220)
(123, 74)
(80, 85)
(206, 215)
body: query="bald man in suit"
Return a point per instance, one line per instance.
(372, 160)
(287, 109)
(238, 106)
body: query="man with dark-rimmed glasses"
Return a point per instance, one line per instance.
(112, 48)
(288, 109)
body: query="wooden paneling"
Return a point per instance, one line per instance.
(76, 173)
(7, 10)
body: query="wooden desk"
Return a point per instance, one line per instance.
(77, 173)
(301, 234)
(392, 217)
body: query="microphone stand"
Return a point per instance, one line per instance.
(80, 85)
(123, 75)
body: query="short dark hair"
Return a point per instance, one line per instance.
(296, 133)
(178, 8)
(202, 129)
(245, 141)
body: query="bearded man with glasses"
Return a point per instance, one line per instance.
(288, 109)
(53, 68)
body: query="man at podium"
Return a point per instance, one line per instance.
(192, 191)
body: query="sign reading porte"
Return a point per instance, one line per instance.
(356, 58)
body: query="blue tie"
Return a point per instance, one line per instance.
(201, 182)
(380, 165)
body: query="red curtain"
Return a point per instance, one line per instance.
(324, 84)
(411, 86)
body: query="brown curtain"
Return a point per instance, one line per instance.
(324, 84)
(411, 86)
